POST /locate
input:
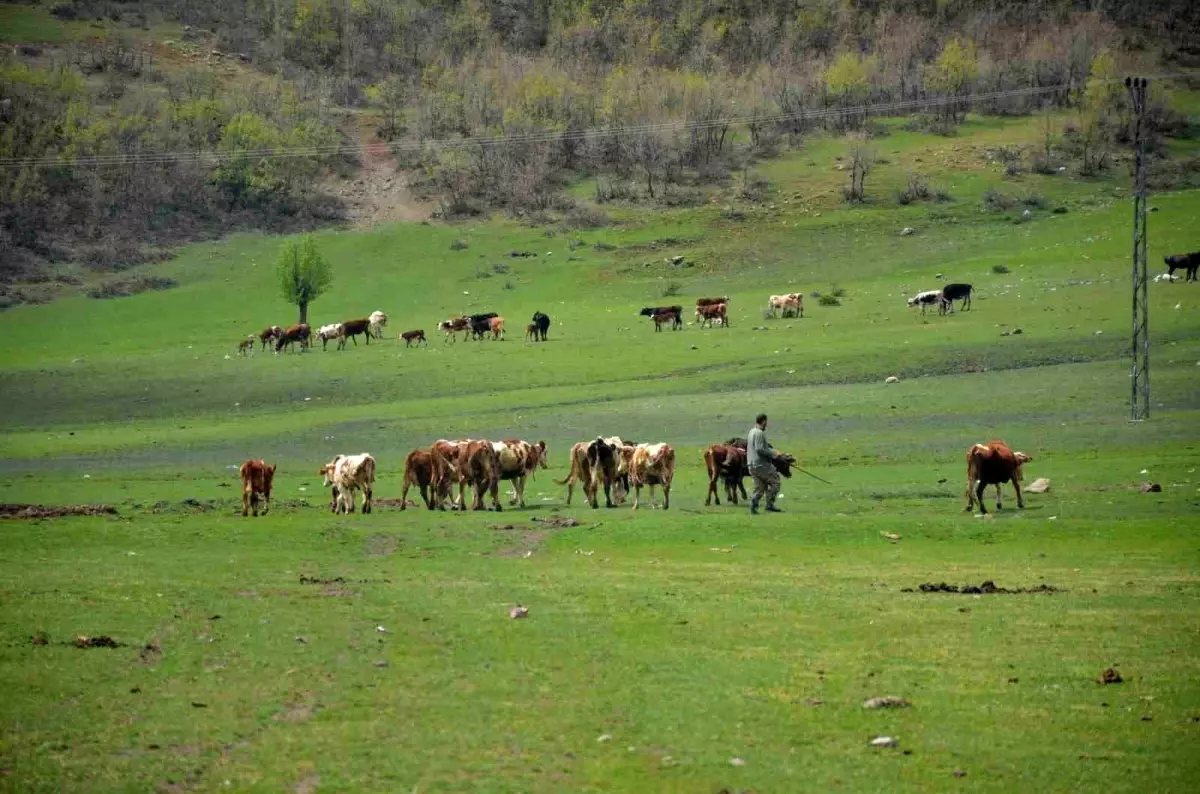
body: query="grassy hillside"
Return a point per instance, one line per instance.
(691, 650)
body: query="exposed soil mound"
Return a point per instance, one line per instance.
(987, 588)
(54, 511)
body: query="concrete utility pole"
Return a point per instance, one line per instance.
(1140, 371)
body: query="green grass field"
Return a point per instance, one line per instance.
(691, 650)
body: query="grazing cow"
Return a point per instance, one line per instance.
(294, 333)
(542, 323)
(428, 470)
(661, 315)
(653, 464)
(246, 346)
(715, 311)
(478, 468)
(992, 464)
(710, 301)
(269, 334)
(257, 477)
(927, 298)
(327, 332)
(791, 304)
(496, 326)
(728, 463)
(377, 321)
(957, 292)
(410, 337)
(531, 332)
(353, 328)
(1189, 262)
(346, 474)
(452, 327)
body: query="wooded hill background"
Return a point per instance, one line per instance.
(128, 127)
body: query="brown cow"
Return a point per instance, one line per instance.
(531, 332)
(728, 463)
(580, 471)
(716, 311)
(479, 469)
(496, 326)
(257, 477)
(269, 334)
(246, 346)
(426, 469)
(353, 328)
(413, 336)
(710, 301)
(294, 333)
(992, 464)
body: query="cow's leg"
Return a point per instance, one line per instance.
(979, 488)
(637, 494)
(404, 492)
(367, 493)
(245, 503)
(254, 504)
(970, 495)
(998, 497)
(712, 490)
(494, 490)
(1017, 487)
(666, 489)
(608, 491)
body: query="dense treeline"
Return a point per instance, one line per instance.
(569, 86)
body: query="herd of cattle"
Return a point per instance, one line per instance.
(612, 465)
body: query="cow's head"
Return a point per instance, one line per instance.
(783, 464)
(542, 455)
(647, 312)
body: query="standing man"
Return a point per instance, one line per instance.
(759, 457)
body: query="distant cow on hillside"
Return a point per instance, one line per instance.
(993, 463)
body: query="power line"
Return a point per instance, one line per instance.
(269, 153)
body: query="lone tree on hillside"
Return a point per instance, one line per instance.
(303, 273)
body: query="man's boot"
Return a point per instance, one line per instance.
(773, 509)
(754, 506)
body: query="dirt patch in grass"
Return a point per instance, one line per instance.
(557, 522)
(987, 588)
(382, 545)
(296, 712)
(529, 539)
(340, 580)
(397, 504)
(101, 641)
(54, 511)
(307, 784)
(150, 653)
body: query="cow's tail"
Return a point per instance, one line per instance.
(573, 474)
(710, 465)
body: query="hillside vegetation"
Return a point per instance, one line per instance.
(133, 126)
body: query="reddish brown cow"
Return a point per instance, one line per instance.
(708, 314)
(353, 328)
(452, 327)
(710, 301)
(257, 477)
(269, 334)
(294, 333)
(410, 337)
(478, 468)
(426, 469)
(992, 464)
(728, 463)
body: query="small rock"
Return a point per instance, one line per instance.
(907, 231)
(737, 762)
(1110, 676)
(1147, 718)
(381, 663)
(1151, 487)
(677, 260)
(887, 702)
(883, 741)
(814, 702)
(604, 737)
(892, 379)
(1017, 332)
(1040, 485)
(301, 640)
(381, 629)
(960, 773)
(692, 347)
(518, 612)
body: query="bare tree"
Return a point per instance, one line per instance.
(862, 160)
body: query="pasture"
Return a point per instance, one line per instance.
(691, 650)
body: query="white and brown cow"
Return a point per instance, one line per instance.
(378, 320)
(713, 312)
(993, 463)
(257, 477)
(327, 332)
(452, 326)
(653, 464)
(791, 304)
(346, 474)
(930, 297)
(516, 462)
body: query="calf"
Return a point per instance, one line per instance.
(410, 337)
(661, 315)
(353, 328)
(378, 320)
(541, 322)
(531, 332)
(927, 298)
(957, 292)
(246, 346)
(257, 477)
(496, 326)
(426, 469)
(1189, 262)
(294, 333)
(727, 463)
(452, 327)
(653, 464)
(993, 463)
(347, 474)
(713, 312)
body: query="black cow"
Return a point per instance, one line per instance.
(481, 325)
(664, 314)
(541, 324)
(1190, 262)
(957, 292)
